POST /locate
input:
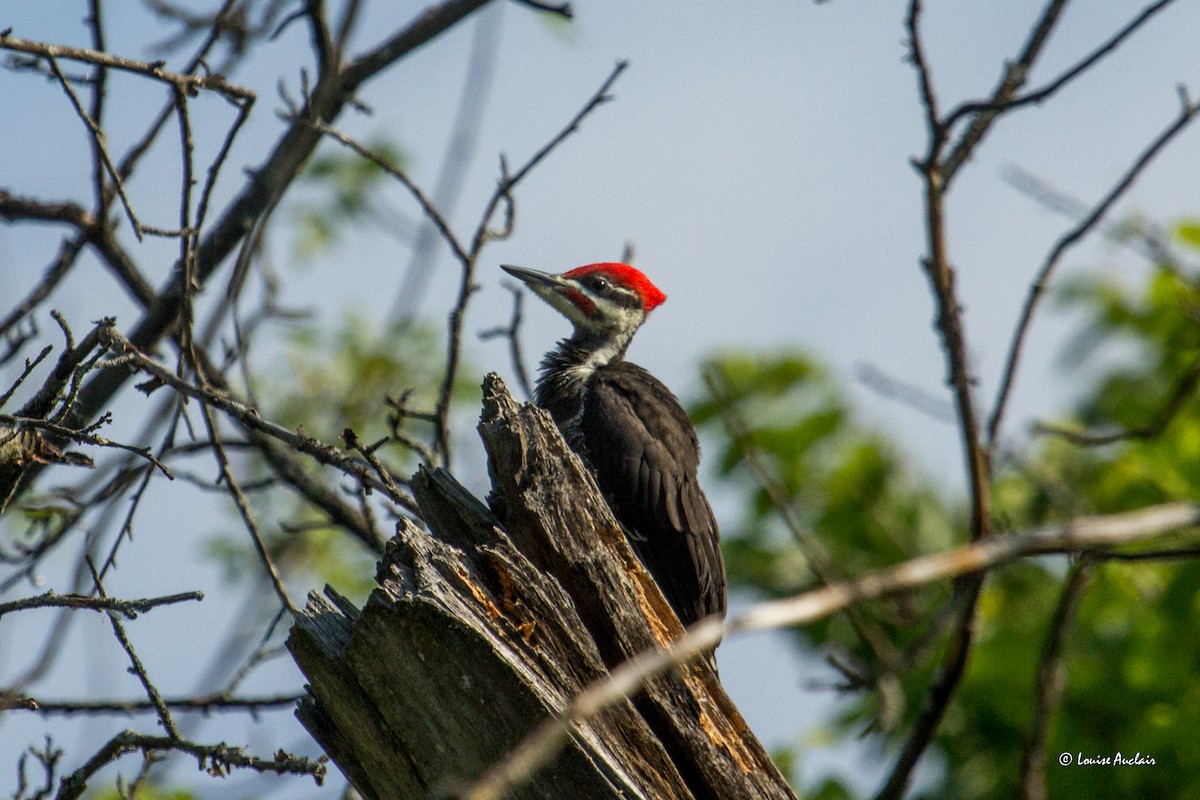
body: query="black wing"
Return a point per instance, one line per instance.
(642, 447)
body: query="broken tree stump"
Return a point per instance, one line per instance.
(491, 621)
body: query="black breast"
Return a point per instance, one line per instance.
(642, 448)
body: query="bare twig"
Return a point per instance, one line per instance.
(940, 273)
(1151, 242)
(95, 21)
(512, 332)
(427, 207)
(136, 667)
(1016, 72)
(269, 182)
(368, 453)
(1186, 114)
(1050, 680)
(937, 169)
(205, 703)
(912, 396)
(189, 84)
(30, 366)
(563, 10)
(1176, 402)
(249, 418)
(84, 437)
(815, 554)
(1168, 554)
(1039, 95)
(48, 757)
(127, 608)
(98, 141)
(243, 506)
(216, 759)
(15, 209)
(501, 197)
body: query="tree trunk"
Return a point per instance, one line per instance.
(492, 621)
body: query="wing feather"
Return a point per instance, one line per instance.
(641, 446)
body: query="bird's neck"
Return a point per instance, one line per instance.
(567, 368)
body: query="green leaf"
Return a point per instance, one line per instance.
(1188, 233)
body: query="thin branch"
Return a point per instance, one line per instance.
(563, 10)
(30, 366)
(937, 170)
(48, 757)
(1149, 242)
(243, 506)
(269, 182)
(368, 453)
(1176, 402)
(1050, 680)
(1169, 554)
(188, 242)
(912, 396)
(1015, 74)
(127, 608)
(345, 25)
(205, 703)
(248, 417)
(1044, 93)
(1187, 113)
(502, 196)
(95, 21)
(427, 207)
(16, 209)
(98, 142)
(136, 666)
(941, 689)
(600, 97)
(85, 437)
(320, 34)
(1085, 534)
(68, 253)
(216, 759)
(189, 84)
(916, 56)
(513, 334)
(814, 551)
(432, 21)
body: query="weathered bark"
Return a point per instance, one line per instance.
(493, 620)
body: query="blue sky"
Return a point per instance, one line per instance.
(756, 156)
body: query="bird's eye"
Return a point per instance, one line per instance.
(599, 284)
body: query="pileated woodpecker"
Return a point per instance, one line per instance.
(630, 430)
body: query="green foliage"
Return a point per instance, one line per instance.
(1131, 654)
(847, 484)
(339, 379)
(336, 380)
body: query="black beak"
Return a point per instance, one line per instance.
(533, 277)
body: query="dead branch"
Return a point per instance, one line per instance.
(188, 84)
(205, 704)
(1050, 679)
(126, 608)
(1187, 113)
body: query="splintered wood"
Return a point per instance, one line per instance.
(487, 624)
